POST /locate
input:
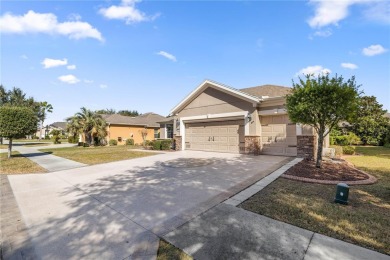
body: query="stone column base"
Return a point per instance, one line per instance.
(177, 140)
(306, 146)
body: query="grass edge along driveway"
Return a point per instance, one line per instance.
(96, 155)
(18, 164)
(363, 222)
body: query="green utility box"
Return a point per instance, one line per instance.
(342, 192)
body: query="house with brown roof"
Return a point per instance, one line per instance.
(216, 117)
(122, 128)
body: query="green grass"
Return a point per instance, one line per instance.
(96, 155)
(167, 251)
(365, 221)
(37, 140)
(18, 164)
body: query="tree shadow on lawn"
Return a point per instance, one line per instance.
(118, 214)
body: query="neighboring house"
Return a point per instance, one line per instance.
(122, 128)
(54, 126)
(215, 117)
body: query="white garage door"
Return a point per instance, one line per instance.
(278, 135)
(223, 136)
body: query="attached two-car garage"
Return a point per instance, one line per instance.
(278, 136)
(218, 136)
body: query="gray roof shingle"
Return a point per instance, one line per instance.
(147, 119)
(267, 90)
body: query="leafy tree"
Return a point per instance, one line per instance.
(370, 123)
(88, 123)
(17, 122)
(128, 113)
(44, 109)
(322, 102)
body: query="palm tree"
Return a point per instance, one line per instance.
(88, 123)
(44, 109)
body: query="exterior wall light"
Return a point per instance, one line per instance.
(249, 117)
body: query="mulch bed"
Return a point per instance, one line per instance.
(331, 172)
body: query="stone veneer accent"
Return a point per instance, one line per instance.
(252, 145)
(306, 146)
(177, 139)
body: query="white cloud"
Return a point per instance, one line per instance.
(88, 81)
(51, 63)
(379, 12)
(347, 65)
(47, 23)
(126, 11)
(374, 50)
(328, 12)
(167, 55)
(323, 33)
(103, 86)
(313, 70)
(70, 79)
(71, 67)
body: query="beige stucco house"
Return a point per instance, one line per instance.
(215, 117)
(122, 128)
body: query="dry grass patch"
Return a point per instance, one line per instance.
(18, 164)
(96, 155)
(167, 251)
(3, 146)
(363, 222)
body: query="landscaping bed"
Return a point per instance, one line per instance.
(364, 221)
(331, 170)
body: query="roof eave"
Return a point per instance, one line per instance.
(226, 89)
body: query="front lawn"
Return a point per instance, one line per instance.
(365, 221)
(96, 155)
(18, 164)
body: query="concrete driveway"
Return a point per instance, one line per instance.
(118, 210)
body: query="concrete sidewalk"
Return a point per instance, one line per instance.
(228, 232)
(50, 162)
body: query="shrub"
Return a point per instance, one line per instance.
(156, 145)
(130, 142)
(350, 150)
(113, 142)
(73, 139)
(56, 136)
(166, 144)
(148, 143)
(352, 139)
(85, 145)
(341, 140)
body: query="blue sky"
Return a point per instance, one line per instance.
(149, 55)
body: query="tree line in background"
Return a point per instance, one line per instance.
(111, 111)
(20, 115)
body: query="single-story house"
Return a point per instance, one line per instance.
(216, 117)
(122, 128)
(45, 131)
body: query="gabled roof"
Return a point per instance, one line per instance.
(267, 90)
(208, 83)
(60, 125)
(147, 120)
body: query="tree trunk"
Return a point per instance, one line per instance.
(40, 132)
(9, 147)
(319, 149)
